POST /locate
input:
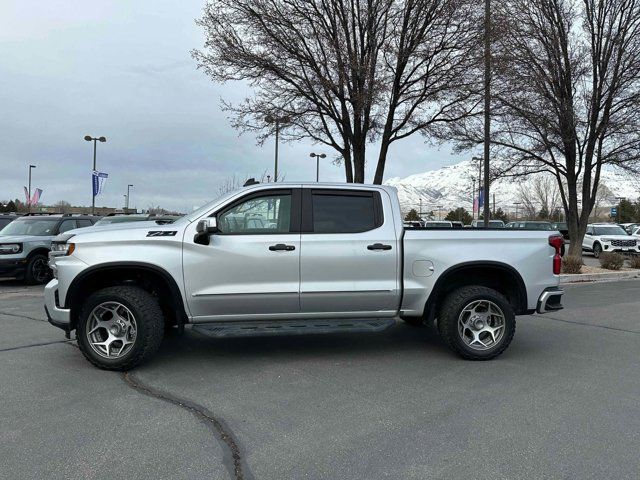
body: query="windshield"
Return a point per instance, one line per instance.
(609, 230)
(122, 219)
(4, 222)
(32, 226)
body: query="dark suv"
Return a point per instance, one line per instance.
(26, 241)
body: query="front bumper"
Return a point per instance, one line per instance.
(14, 267)
(58, 317)
(614, 248)
(550, 300)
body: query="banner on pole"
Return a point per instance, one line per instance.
(36, 196)
(26, 195)
(97, 180)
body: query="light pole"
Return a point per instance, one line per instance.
(29, 193)
(127, 204)
(517, 204)
(317, 156)
(487, 107)
(89, 138)
(278, 121)
(440, 212)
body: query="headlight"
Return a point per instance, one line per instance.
(605, 239)
(9, 248)
(61, 249)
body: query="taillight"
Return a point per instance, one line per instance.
(557, 242)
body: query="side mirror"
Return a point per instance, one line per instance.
(207, 226)
(204, 229)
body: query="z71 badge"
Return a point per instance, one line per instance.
(162, 233)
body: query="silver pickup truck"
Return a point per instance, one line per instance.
(291, 259)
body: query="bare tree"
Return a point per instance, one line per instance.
(63, 206)
(234, 182)
(566, 93)
(345, 73)
(539, 194)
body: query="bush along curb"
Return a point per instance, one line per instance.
(598, 277)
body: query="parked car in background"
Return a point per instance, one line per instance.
(533, 225)
(456, 224)
(608, 237)
(6, 219)
(629, 227)
(26, 241)
(437, 224)
(562, 228)
(159, 219)
(492, 224)
(412, 224)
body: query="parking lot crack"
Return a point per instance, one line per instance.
(606, 327)
(233, 458)
(22, 316)
(42, 344)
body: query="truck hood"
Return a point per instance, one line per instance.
(120, 231)
(24, 238)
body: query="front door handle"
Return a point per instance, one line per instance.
(281, 246)
(378, 246)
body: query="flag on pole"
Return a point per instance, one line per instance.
(97, 180)
(36, 196)
(478, 201)
(26, 195)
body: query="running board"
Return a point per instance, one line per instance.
(291, 327)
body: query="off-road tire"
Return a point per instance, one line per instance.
(451, 309)
(149, 320)
(30, 278)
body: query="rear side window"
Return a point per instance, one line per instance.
(345, 213)
(67, 225)
(84, 222)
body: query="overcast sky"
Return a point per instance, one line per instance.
(122, 69)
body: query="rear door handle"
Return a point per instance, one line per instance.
(281, 246)
(378, 246)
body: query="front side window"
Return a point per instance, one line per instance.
(335, 213)
(258, 215)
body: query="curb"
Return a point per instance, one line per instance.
(597, 277)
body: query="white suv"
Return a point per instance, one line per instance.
(608, 237)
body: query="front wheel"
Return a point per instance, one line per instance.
(120, 327)
(37, 271)
(476, 322)
(597, 250)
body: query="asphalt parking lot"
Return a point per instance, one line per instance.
(562, 402)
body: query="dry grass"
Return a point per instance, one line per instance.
(634, 261)
(572, 264)
(611, 260)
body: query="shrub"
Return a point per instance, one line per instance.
(634, 261)
(572, 264)
(611, 260)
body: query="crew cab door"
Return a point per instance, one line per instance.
(350, 257)
(251, 267)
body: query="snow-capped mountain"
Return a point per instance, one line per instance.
(452, 187)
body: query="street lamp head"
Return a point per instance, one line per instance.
(88, 138)
(102, 139)
(312, 155)
(130, 185)
(32, 166)
(322, 155)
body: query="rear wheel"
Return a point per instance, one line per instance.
(476, 322)
(37, 271)
(120, 327)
